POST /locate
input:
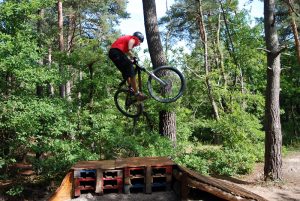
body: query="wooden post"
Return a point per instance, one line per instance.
(148, 180)
(99, 181)
(184, 186)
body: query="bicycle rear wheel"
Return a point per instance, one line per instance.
(173, 88)
(127, 104)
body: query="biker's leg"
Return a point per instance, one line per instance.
(132, 83)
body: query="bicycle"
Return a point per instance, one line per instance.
(165, 84)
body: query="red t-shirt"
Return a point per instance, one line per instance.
(122, 43)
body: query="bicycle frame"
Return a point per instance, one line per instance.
(140, 68)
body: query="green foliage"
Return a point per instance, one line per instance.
(15, 191)
(64, 153)
(290, 93)
(232, 161)
(194, 162)
(152, 144)
(220, 160)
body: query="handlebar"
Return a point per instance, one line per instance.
(136, 63)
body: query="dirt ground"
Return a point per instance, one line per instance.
(287, 190)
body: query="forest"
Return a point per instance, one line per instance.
(57, 87)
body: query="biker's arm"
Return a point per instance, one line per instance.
(130, 47)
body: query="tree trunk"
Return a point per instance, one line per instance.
(62, 87)
(71, 33)
(167, 119)
(167, 125)
(152, 33)
(273, 140)
(203, 36)
(220, 52)
(50, 88)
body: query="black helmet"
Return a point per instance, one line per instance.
(139, 35)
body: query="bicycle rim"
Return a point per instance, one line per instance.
(175, 84)
(126, 106)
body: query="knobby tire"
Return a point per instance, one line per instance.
(133, 111)
(174, 89)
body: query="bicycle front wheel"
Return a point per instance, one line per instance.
(169, 86)
(127, 104)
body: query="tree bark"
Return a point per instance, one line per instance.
(220, 52)
(167, 119)
(167, 125)
(62, 87)
(71, 34)
(152, 33)
(50, 88)
(60, 25)
(273, 139)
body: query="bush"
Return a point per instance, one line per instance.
(221, 160)
(232, 161)
(194, 162)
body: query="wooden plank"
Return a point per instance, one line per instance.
(106, 164)
(143, 161)
(65, 191)
(215, 186)
(213, 190)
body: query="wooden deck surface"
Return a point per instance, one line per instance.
(124, 162)
(143, 161)
(105, 165)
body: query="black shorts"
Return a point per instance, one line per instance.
(122, 62)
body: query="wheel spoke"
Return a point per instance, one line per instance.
(174, 85)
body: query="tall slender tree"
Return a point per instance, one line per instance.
(273, 139)
(203, 35)
(62, 89)
(167, 119)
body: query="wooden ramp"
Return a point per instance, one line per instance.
(190, 179)
(144, 175)
(65, 191)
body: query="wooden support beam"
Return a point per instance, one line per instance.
(184, 191)
(99, 181)
(148, 181)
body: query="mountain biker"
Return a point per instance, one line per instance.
(118, 54)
